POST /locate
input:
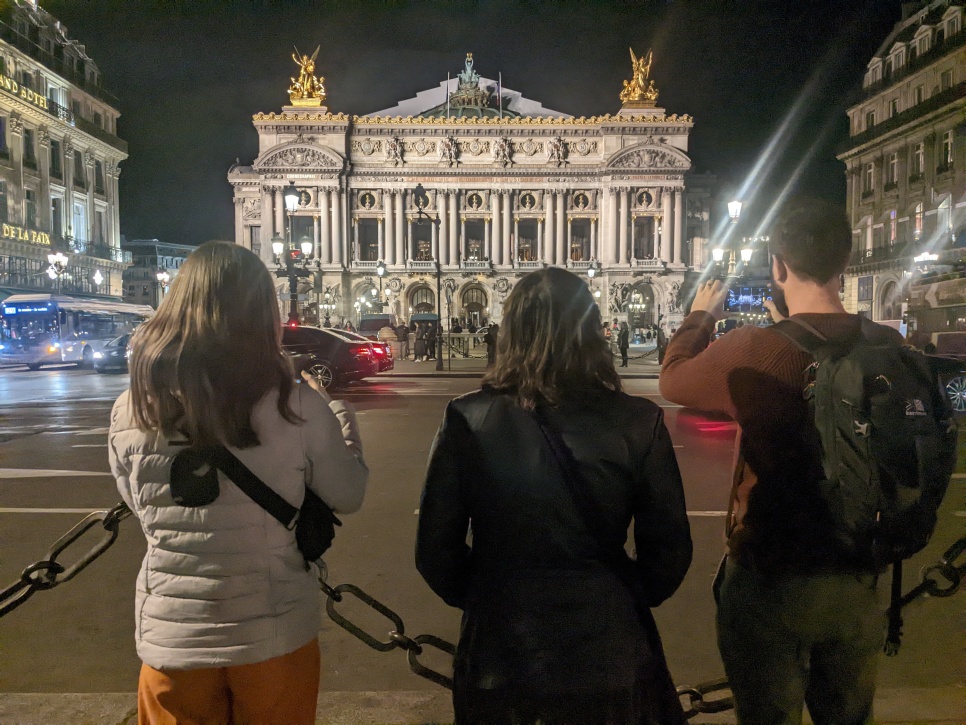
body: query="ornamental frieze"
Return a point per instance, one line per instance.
(649, 158)
(367, 146)
(494, 121)
(420, 147)
(300, 157)
(582, 147)
(528, 147)
(474, 147)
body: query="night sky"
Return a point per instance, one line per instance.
(189, 75)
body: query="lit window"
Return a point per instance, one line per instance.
(946, 151)
(917, 228)
(918, 159)
(892, 170)
(868, 183)
(892, 227)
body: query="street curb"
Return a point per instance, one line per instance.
(893, 706)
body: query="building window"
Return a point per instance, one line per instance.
(892, 171)
(868, 181)
(923, 44)
(80, 221)
(918, 94)
(917, 221)
(4, 149)
(900, 60)
(892, 227)
(98, 177)
(952, 27)
(918, 160)
(29, 148)
(130, 290)
(893, 107)
(99, 227)
(865, 288)
(30, 208)
(144, 290)
(98, 121)
(945, 80)
(3, 201)
(27, 80)
(57, 216)
(869, 119)
(80, 178)
(946, 153)
(56, 159)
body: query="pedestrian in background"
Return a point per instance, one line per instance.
(661, 342)
(419, 343)
(228, 612)
(491, 339)
(623, 343)
(431, 333)
(546, 465)
(402, 337)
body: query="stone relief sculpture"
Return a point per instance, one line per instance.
(448, 151)
(299, 157)
(673, 303)
(556, 151)
(502, 152)
(393, 151)
(645, 158)
(251, 209)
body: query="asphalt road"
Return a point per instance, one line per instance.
(78, 638)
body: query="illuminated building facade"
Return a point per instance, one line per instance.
(59, 157)
(906, 157)
(510, 187)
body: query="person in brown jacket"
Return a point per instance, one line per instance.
(797, 622)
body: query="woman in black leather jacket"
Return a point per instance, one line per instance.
(556, 625)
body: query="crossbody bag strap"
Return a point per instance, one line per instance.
(587, 507)
(252, 486)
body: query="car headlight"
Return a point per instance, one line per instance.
(98, 355)
(52, 348)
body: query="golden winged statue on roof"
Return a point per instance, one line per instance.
(640, 89)
(307, 90)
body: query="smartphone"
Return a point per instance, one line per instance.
(746, 299)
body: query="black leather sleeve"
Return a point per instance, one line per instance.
(442, 555)
(662, 534)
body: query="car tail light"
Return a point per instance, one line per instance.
(379, 350)
(361, 350)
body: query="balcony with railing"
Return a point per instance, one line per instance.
(656, 265)
(529, 264)
(478, 265)
(936, 52)
(97, 250)
(940, 100)
(421, 265)
(364, 265)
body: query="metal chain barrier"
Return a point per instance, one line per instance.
(698, 705)
(931, 577)
(49, 573)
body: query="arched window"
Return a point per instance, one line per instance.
(474, 299)
(422, 300)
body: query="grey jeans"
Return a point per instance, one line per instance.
(798, 640)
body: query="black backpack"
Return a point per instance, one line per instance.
(889, 443)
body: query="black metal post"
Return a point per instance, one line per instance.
(439, 310)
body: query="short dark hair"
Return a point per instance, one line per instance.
(814, 240)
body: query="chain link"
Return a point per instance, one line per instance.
(396, 637)
(697, 704)
(945, 568)
(48, 572)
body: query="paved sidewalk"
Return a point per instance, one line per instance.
(642, 363)
(922, 706)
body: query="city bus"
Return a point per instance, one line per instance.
(47, 329)
(936, 323)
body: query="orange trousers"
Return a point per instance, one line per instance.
(280, 691)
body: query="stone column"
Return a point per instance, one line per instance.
(381, 242)
(462, 244)
(338, 240)
(678, 226)
(325, 226)
(508, 255)
(388, 228)
(666, 224)
(267, 228)
(316, 237)
(356, 246)
(540, 241)
(570, 240)
(548, 245)
(398, 218)
(443, 226)
(89, 163)
(68, 221)
(610, 240)
(454, 240)
(560, 232)
(655, 238)
(593, 239)
(515, 260)
(280, 227)
(115, 209)
(239, 225)
(434, 237)
(495, 246)
(15, 193)
(622, 201)
(409, 252)
(633, 239)
(43, 193)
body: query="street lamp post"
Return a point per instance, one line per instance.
(294, 269)
(380, 272)
(58, 265)
(421, 200)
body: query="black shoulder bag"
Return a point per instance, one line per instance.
(314, 523)
(662, 698)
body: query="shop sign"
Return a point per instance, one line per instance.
(12, 231)
(11, 86)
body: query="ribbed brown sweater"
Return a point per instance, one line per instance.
(755, 375)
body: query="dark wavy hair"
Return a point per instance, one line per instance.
(551, 346)
(211, 351)
(814, 238)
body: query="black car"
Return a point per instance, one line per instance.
(331, 358)
(113, 359)
(382, 351)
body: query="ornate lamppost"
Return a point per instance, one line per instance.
(421, 199)
(295, 267)
(58, 265)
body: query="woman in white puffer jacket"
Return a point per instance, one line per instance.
(227, 613)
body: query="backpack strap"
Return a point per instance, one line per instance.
(251, 485)
(804, 336)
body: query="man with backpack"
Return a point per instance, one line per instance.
(829, 487)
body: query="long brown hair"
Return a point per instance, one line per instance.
(211, 351)
(550, 346)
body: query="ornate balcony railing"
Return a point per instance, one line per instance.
(529, 265)
(421, 265)
(653, 264)
(99, 251)
(476, 264)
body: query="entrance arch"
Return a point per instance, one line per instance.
(474, 304)
(422, 299)
(639, 306)
(890, 303)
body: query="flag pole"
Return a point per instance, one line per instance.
(499, 91)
